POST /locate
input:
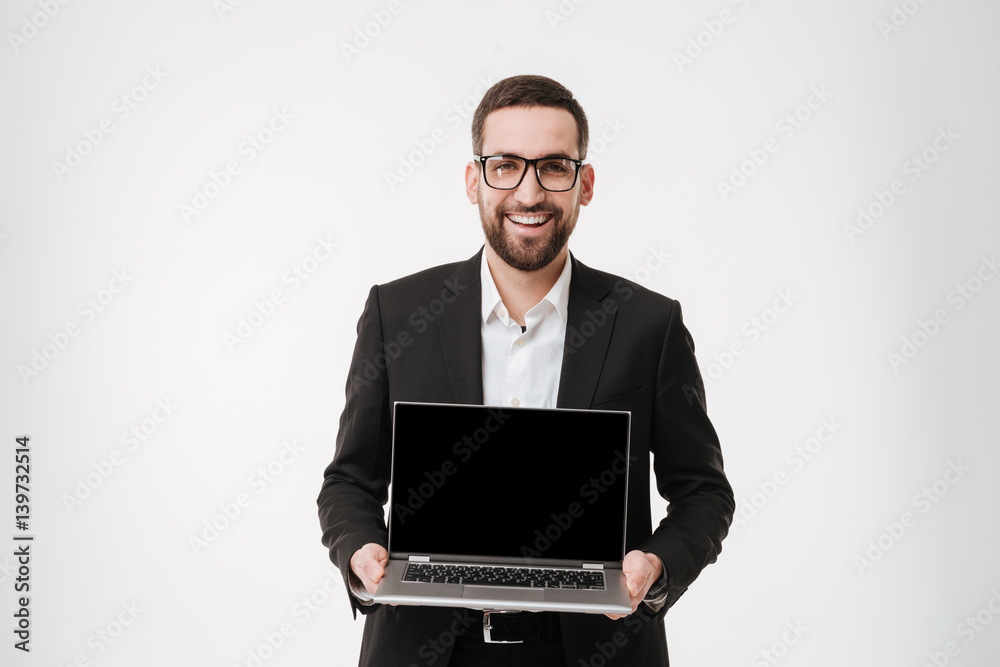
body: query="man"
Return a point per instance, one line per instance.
(525, 323)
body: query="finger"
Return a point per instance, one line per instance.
(374, 559)
(375, 570)
(640, 578)
(369, 570)
(371, 580)
(635, 581)
(635, 561)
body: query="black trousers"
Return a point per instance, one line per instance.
(471, 651)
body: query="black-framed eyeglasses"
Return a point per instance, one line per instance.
(505, 172)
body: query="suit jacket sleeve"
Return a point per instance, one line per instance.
(355, 484)
(687, 462)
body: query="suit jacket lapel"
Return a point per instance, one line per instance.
(460, 328)
(587, 337)
(586, 345)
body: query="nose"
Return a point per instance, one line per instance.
(530, 191)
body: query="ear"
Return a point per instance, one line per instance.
(472, 172)
(586, 184)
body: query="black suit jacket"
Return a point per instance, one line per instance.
(626, 349)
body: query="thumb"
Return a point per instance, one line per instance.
(371, 561)
(632, 583)
(635, 575)
(375, 568)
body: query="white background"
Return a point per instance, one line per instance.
(825, 550)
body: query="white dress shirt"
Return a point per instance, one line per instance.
(522, 369)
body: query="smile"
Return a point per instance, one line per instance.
(532, 220)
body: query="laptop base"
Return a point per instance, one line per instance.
(393, 590)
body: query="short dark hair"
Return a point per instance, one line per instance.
(529, 90)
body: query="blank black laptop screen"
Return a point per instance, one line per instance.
(509, 483)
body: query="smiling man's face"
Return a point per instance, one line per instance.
(528, 227)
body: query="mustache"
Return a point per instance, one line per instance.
(529, 210)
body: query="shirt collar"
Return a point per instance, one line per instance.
(558, 296)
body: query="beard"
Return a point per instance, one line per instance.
(532, 253)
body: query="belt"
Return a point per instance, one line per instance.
(515, 627)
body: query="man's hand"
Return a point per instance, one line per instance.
(641, 570)
(368, 564)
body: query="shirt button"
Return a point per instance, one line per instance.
(515, 402)
(501, 312)
(519, 342)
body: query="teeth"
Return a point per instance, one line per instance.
(525, 220)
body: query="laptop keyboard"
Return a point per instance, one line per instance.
(488, 575)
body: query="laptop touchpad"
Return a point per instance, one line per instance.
(502, 593)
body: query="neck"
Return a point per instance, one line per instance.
(523, 290)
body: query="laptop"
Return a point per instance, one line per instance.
(505, 509)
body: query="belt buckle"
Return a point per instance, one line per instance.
(488, 627)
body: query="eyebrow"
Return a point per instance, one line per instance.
(559, 154)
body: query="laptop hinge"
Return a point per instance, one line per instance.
(419, 559)
(593, 566)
